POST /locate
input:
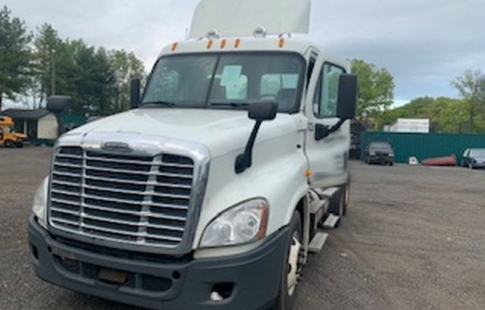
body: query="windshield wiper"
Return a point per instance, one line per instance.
(163, 103)
(230, 104)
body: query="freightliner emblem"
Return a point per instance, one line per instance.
(117, 147)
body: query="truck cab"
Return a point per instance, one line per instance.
(211, 191)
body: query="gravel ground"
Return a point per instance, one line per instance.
(413, 239)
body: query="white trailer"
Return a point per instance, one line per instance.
(411, 125)
(212, 191)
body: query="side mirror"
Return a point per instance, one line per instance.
(347, 96)
(58, 104)
(263, 111)
(260, 112)
(135, 93)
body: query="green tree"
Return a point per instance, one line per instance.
(453, 116)
(471, 86)
(125, 67)
(14, 55)
(89, 80)
(376, 89)
(48, 48)
(445, 114)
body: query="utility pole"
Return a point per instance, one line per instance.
(53, 74)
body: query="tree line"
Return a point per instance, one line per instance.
(446, 115)
(40, 64)
(37, 65)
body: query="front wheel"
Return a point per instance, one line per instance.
(291, 271)
(9, 144)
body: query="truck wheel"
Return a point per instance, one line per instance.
(19, 145)
(291, 267)
(9, 144)
(346, 189)
(341, 200)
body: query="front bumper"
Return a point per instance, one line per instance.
(478, 165)
(246, 281)
(381, 159)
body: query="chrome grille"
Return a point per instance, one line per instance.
(134, 199)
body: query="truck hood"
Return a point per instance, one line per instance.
(480, 159)
(221, 131)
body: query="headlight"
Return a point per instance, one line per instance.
(372, 153)
(40, 203)
(243, 223)
(391, 154)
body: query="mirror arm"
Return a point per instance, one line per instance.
(135, 93)
(244, 160)
(322, 131)
(60, 124)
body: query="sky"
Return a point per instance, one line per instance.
(424, 44)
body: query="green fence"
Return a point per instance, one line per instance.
(424, 146)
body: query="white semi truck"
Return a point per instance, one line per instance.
(211, 192)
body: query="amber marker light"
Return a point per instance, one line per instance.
(281, 42)
(174, 46)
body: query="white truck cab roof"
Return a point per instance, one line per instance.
(272, 26)
(231, 18)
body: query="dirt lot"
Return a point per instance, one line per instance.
(414, 238)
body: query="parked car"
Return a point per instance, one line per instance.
(473, 158)
(379, 153)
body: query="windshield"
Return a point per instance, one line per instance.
(478, 152)
(232, 80)
(7, 129)
(380, 146)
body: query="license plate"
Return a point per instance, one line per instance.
(112, 276)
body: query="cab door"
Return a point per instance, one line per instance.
(327, 156)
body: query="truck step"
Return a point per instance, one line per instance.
(331, 221)
(317, 242)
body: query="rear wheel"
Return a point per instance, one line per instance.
(9, 143)
(291, 272)
(340, 202)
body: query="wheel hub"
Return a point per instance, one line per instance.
(293, 261)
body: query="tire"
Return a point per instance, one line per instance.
(340, 202)
(9, 144)
(19, 145)
(291, 266)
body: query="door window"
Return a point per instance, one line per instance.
(326, 94)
